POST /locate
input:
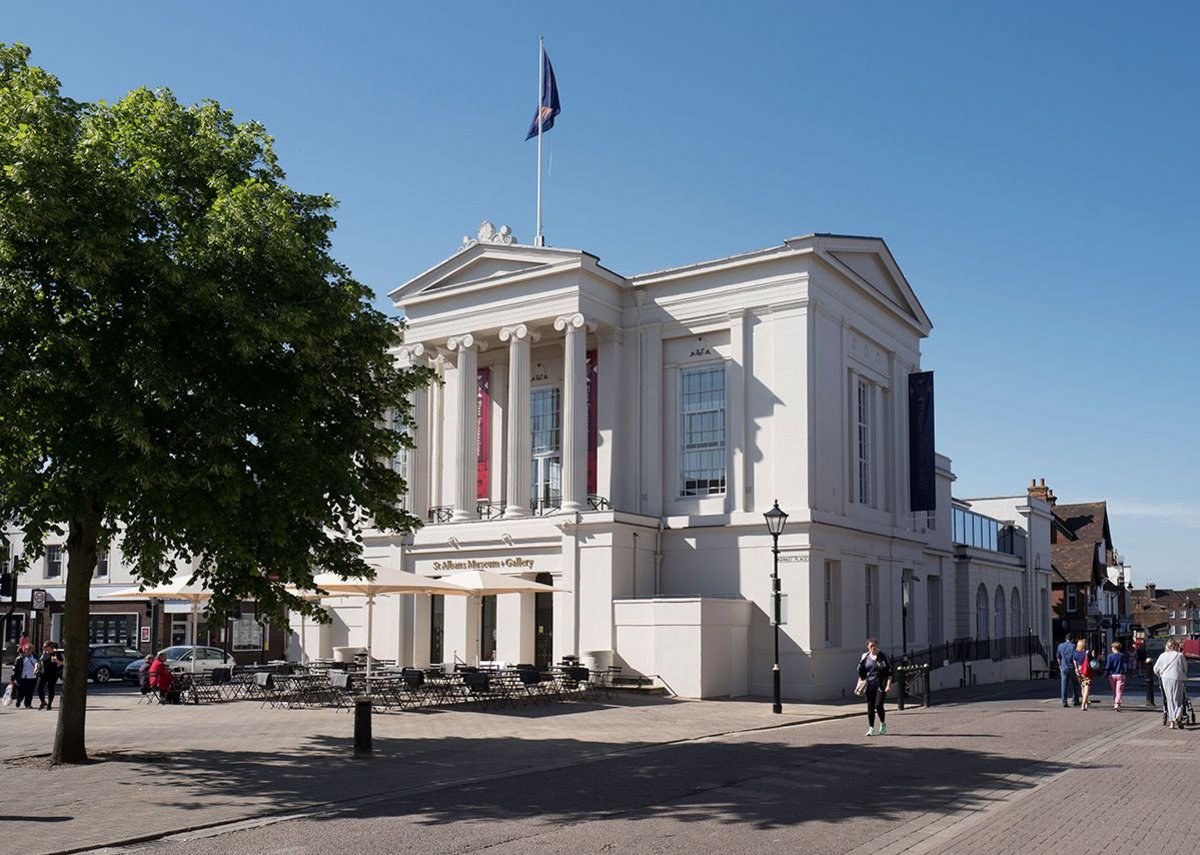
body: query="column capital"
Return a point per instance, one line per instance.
(574, 321)
(519, 332)
(411, 353)
(467, 341)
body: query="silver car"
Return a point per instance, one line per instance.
(179, 659)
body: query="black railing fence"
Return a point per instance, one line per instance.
(976, 649)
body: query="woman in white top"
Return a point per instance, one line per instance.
(1171, 668)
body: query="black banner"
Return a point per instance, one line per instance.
(922, 480)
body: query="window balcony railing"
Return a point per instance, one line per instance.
(486, 509)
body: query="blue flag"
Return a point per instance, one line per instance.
(548, 108)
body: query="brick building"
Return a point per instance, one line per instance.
(1088, 594)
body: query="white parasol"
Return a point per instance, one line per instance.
(394, 583)
(178, 588)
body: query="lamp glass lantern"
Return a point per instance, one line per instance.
(776, 519)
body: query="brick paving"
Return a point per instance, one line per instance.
(1009, 771)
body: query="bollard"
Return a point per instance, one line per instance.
(362, 727)
(1150, 683)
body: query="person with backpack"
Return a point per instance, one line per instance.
(875, 681)
(1067, 677)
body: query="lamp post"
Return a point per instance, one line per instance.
(776, 519)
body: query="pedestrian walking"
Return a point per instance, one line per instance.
(48, 675)
(1117, 666)
(1171, 668)
(1084, 672)
(1066, 670)
(25, 672)
(875, 681)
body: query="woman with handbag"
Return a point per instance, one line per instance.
(1088, 670)
(25, 673)
(874, 681)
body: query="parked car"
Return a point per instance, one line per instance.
(105, 660)
(179, 658)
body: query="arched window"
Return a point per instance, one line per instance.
(982, 613)
(1001, 614)
(1018, 624)
(1001, 622)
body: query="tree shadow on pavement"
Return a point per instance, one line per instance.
(762, 783)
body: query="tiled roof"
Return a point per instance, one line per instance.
(1086, 520)
(1074, 561)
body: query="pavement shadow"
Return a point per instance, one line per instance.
(764, 783)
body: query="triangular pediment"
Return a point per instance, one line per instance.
(478, 262)
(870, 267)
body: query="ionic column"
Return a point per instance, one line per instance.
(574, 411)
(418, 493)
(437, 427)
(519, 451)
(467, 430)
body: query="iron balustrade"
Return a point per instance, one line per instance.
(486, 509)
(976, 649)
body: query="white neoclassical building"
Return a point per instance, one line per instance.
(622, 436)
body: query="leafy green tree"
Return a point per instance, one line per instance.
(182, 361)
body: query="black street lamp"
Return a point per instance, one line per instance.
(775, 521)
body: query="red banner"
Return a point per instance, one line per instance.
(593, 422)
(483, 418)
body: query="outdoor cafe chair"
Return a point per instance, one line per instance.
(478, 688)
(341, 686)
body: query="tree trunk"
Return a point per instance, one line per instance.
(82, 540)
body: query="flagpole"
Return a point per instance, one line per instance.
(537, 238)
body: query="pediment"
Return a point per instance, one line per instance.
(871, 268)
(477, 262)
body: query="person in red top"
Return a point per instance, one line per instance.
(161, 678)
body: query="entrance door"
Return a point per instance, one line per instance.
(543, 620)
(180, 630)
(487, 629)
(437, 621)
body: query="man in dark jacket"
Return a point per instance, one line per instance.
(48, 674)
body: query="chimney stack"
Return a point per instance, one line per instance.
(1150, 590)
(1039, 490)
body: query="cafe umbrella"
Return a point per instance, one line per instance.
(481, 583)
(395, 582)
(179, 588)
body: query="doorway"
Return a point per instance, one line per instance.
(437, 621)
(487, 630)
(543, 621)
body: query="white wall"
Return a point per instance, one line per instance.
(695, 646)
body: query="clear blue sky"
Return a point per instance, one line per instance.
(1032, 165)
